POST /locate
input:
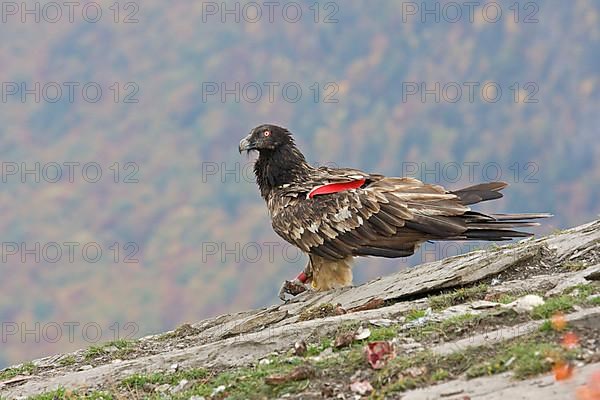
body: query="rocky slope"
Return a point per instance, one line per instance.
(518, 321)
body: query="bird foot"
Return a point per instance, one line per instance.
(293, 288)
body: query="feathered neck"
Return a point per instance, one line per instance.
(276, 167)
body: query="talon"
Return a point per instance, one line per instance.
(293, 288)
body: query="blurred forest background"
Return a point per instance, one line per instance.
(184, 204)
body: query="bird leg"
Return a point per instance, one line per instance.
(295, 286)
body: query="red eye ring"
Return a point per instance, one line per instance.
(267, 133)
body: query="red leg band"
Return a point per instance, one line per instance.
(302, 277)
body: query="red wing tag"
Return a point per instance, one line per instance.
(335, 187)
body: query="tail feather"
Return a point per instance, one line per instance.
(499, 226)
(481, 192)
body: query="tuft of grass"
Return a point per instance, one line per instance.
(576, 295)
(181, 332)
(67, 360)
(448, 328)
(525, 359)
(507, 298)
(316, 349)
(139, 380)
(546, 326)
(320, 311)
(563, 303)
(415, 314)
(23, 369)
(63, 394)
(574, 266)
(383, 333)
(240, 383)
(458, 296)
(123, 347)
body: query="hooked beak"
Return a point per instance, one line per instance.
(245, 144)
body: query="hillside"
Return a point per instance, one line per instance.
(173, 184)
(518, 321)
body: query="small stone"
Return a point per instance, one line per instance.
(194, 397)
(218, 390)
(327, 352)
(183, 384)
(264, 361)
(174, 367)
(383, 322)
(483, 304)
(85, 367)
(163, 388)
(362, 333)
(361, 387)
(526, 303)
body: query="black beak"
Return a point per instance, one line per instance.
(245, 144)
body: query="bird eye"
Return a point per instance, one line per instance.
(267, 133)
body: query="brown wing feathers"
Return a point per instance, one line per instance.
(390, 217)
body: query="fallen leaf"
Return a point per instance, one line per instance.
(570, 340)
(372, 304)
(378, 353)
(339, 310)
(590, 391)
(343, 339)
(300, 348)
(558, 321)
(297, 374)
(361, 387)
(562, 370)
